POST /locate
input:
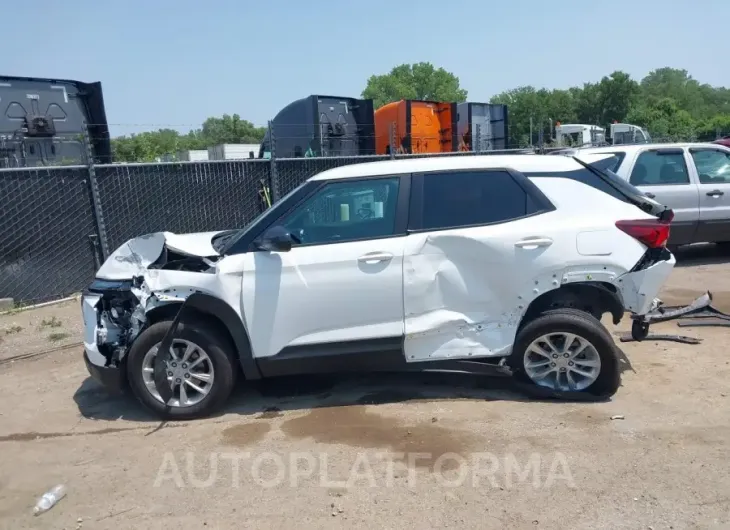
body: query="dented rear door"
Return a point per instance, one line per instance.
(476, 255)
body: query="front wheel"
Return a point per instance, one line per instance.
(202, 370)
(568, 352)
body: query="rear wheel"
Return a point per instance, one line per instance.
(202, 370)
(567, 351)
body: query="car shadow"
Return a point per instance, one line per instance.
(702, 254)
(272, 396)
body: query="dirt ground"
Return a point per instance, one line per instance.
(390, 451)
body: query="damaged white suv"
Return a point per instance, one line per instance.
(458, 263)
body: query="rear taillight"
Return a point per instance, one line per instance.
(653, 233)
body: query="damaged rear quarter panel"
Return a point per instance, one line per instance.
(639, 289)
(466, 290)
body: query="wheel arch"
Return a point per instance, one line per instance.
(220, 315)
(596, 298)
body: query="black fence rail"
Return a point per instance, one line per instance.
(57, 224)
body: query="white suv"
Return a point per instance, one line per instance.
(455, 263)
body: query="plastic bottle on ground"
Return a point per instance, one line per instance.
(49, 499)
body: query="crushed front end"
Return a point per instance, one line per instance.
(143, 274)
(111, 322)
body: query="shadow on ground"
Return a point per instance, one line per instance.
(702, 254)
(311, 392)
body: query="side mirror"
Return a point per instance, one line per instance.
(276, 239)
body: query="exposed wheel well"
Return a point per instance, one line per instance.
(168, 312)
(595, 298)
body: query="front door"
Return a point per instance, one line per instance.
(713, 173)
(343, 279)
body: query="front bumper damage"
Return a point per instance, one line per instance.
(111, 377)
(662, 313)
(142, 275)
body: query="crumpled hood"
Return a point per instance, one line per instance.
(136, 255)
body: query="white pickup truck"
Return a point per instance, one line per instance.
(693, 179)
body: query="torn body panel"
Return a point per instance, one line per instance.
(639, 288)
(144, 274)
(136, 256)
(466, 290)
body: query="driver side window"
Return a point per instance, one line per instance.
(346, 210)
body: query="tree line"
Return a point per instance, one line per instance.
(669, 102)
(148, 146)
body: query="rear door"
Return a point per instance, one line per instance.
(711, 168)
(663, 174)
(477, 241)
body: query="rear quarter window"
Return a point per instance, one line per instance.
(589, 178)
(473, 198)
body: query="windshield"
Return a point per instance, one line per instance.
(222, 242)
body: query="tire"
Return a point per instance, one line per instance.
(219, 352)
(583, 325)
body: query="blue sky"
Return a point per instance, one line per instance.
(174, 63)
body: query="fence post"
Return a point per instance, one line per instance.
(274, 172)
(391, 132)
(95, 196)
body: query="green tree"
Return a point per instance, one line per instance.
(544, 107)
(664, 119)
(715, 128)
(231, 130)
(606, 101)
(151, 145)
(416, 81)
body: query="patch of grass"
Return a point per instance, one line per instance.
(19, 306)
(13, 329)
(56, 337)
(52, 322)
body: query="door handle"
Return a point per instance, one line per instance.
(715, 193)
(534, 242)
(650, 195)
(375, 257)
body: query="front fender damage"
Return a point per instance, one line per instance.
(122, 315)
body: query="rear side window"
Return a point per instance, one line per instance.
(471, 198)
(713, 166)
(591, 179)
(662, 167)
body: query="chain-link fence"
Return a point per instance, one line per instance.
(58, 224)
(47, 232)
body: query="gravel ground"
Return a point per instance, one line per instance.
(392, 451)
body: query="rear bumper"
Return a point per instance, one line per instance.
(639, 289)
(111, 377)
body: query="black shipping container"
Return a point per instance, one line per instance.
(322, 126)
(42, 122)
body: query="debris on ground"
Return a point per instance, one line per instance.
(617, 417)
(49, 499)
(709, 316)
(626, 337)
